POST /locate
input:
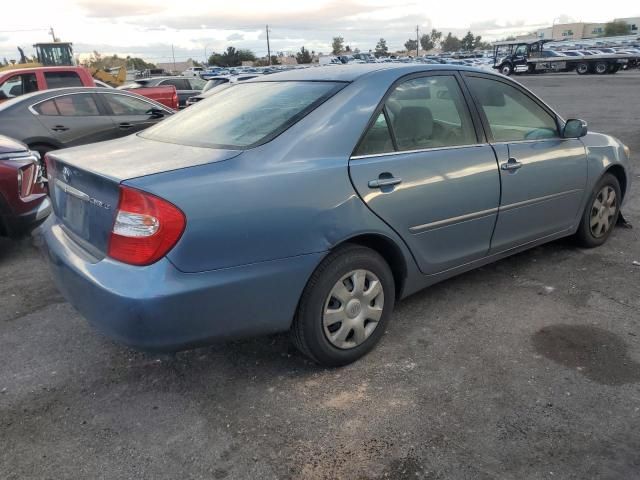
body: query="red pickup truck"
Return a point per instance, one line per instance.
(14, 83)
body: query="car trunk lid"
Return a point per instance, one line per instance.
(84, 182)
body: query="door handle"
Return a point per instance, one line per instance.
(125, 125)
(512, 165)
(60, 128)
(384, 182)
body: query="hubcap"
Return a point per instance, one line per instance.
(603, 211)
(353, 309)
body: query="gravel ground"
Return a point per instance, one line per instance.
(528, 368)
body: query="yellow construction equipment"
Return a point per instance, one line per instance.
(60, 54)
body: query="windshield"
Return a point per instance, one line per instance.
(244, 115)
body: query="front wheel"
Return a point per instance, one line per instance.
(345, 306)
(601, 213)
(506, 69)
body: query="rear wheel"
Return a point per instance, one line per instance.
(582, 68)
(601, 213)
(345, 306)
(601, 68)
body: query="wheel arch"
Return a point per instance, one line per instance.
(389, 250)
(619, 172)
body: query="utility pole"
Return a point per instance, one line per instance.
(53, 34)
(268, 47)
(417, 42)
(173, 54)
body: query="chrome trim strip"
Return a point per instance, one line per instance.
(403, 152)
(124, 94)
(531, 201)
(449, 221)
(72, 191)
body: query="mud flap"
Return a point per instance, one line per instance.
(622, 222)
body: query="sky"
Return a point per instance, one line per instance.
(149, 28)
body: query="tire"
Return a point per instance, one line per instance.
(582, 68)
(601, 68)
(601, 211)
(506, 69)
(613, 69)
(318, 330)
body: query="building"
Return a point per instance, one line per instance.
(576, 31)
(633, 22)
(175, 68)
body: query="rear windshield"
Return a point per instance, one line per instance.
(244, 115)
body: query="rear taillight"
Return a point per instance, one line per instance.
(145, 229)
(26, 179)
(176, 104)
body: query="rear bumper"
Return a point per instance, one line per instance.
(16, 225)
(160, 308)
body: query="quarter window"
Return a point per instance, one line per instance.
(377, 139)
(511, 114)
(429, 112)
(81, 105)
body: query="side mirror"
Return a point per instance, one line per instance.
(574, 128)
(155, 113)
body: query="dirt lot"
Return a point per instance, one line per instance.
(529, 368)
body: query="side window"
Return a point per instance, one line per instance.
(179, 83)
(197, 83)
(430, 112)
(511, 114)
(377, 139)
(18, 85)
(125, 105)
(81, 105)
(62, 79)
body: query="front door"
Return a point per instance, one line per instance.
(421, 169)
(543, 175)
(128, 113)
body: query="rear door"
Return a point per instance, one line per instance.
(543, 175)
(74, 119)
(130, 114)
(423, 167)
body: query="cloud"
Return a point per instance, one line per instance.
(118, 8)
(235, 36)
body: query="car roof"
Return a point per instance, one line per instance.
(351, 72)
(40, 69)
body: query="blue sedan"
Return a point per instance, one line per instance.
(312, 200)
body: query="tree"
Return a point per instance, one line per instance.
(381, 48)
(451, 43)
(431, 40)
(232, 57)
(611, 29)
(347, 48)
(337, 45)
(303, 56)
(410, 45)
(478, 44)
(467, 42)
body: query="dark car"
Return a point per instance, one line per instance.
(23, 197)
(67, 117)
(186, 86)
(214, 84)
